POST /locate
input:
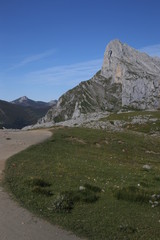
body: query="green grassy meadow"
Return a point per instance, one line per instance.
(92, 182)
(151, 126)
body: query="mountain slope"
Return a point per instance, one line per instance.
(26, 102)
(97, 94)
(15, 116)
(128, 79)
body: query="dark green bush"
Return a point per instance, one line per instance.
(63, 203)
(157, 178)
(92, 187)
(88, 196)
(43, 191)
(133, 193)
(127, 229)
(36, 181)
(66, 200)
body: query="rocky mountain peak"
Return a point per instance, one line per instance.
(114, 48)
(26, 102)
(23, 99)
(128, 79)
(121, 59)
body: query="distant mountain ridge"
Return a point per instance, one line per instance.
(128, 79)
(22, 112)
(26, 102)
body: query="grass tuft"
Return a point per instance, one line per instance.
(157, 178)
(133, 193)
(125, 228)
(43, 191)
(38, 182)
(92, 187)
(63, 203)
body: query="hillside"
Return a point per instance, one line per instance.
(97, 94)
(26, 102)
(15, 116)
(101, 185)
(128, 79)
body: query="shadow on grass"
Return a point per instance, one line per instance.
(65, 201)
(39, 186)
(133, 193)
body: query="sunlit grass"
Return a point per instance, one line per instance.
(151, 125)
(91, 182)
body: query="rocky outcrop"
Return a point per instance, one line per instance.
(138, 73)
(95, 95)
(128, 79)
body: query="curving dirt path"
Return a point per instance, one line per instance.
(17, 223)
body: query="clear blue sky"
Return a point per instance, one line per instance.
(49, 46)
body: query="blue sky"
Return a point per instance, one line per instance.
(49, 46)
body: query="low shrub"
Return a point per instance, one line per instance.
(88, 196)
(157, 178)
(127, 228)
(92, 187)
(132, 193)
(36, 181)
(39, 186)
(63, 203)
(43, 191)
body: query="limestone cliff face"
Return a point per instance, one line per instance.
(128, 78)
(138, 73)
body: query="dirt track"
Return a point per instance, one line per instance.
(17, 223)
